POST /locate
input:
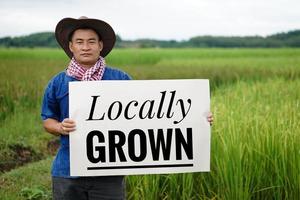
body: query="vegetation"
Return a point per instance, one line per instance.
(29, 182)
(255, 138)
(289, 39)
(45, 39)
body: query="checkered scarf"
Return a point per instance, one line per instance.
(94, 73)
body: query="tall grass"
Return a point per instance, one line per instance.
(29, 177)
(221, 66)
(255, 101)
(256, 141)
(255, 148)
(24, 74)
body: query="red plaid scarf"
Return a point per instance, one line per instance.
(94, 73)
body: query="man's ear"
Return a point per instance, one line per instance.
(101, 45)
(71, 46)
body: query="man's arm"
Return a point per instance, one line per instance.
(59, 128)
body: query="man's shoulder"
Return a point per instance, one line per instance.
(61, 77)
(60, 80)
(112, 73)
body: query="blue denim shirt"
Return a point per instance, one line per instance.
(56, 106)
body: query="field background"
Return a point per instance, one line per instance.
(255, 98)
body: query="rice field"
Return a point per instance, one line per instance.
(255, 98)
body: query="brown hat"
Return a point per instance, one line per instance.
(67, 26)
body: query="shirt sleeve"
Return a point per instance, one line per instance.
(50, 106)
(126, 77)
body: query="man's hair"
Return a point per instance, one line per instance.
(85, 28)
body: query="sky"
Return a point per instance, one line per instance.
(156, 19)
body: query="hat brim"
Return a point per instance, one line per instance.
(67, 26)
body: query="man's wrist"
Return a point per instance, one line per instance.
(59, 129)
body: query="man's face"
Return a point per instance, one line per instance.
(86, 47)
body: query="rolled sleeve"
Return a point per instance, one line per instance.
(50, 106)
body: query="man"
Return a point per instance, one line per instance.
(86, 41)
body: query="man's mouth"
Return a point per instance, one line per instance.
(86, 54)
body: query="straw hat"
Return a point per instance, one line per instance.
(67, 26)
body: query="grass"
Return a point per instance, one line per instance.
(258, 129)
(255, 137)
(31, 179)
(255, 152)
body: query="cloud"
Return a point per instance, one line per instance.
(160, 19)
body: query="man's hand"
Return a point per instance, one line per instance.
(59, 128)
(210, 118)
(67, 126)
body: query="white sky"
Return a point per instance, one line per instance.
(156, 19)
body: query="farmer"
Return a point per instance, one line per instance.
(86, 42)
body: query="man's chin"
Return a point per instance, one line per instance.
(87, 63)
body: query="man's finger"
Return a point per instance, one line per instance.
(68, 125)
(67, 120)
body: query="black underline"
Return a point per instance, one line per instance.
(140, 166)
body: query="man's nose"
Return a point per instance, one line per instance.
(85, 46)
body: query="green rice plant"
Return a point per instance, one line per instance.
(221, 66)
(255, 142)
(255, 147)
(255, 101)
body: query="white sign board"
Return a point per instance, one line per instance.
(139, 127)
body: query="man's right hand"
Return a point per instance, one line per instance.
(59, 128)
(67, 126)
